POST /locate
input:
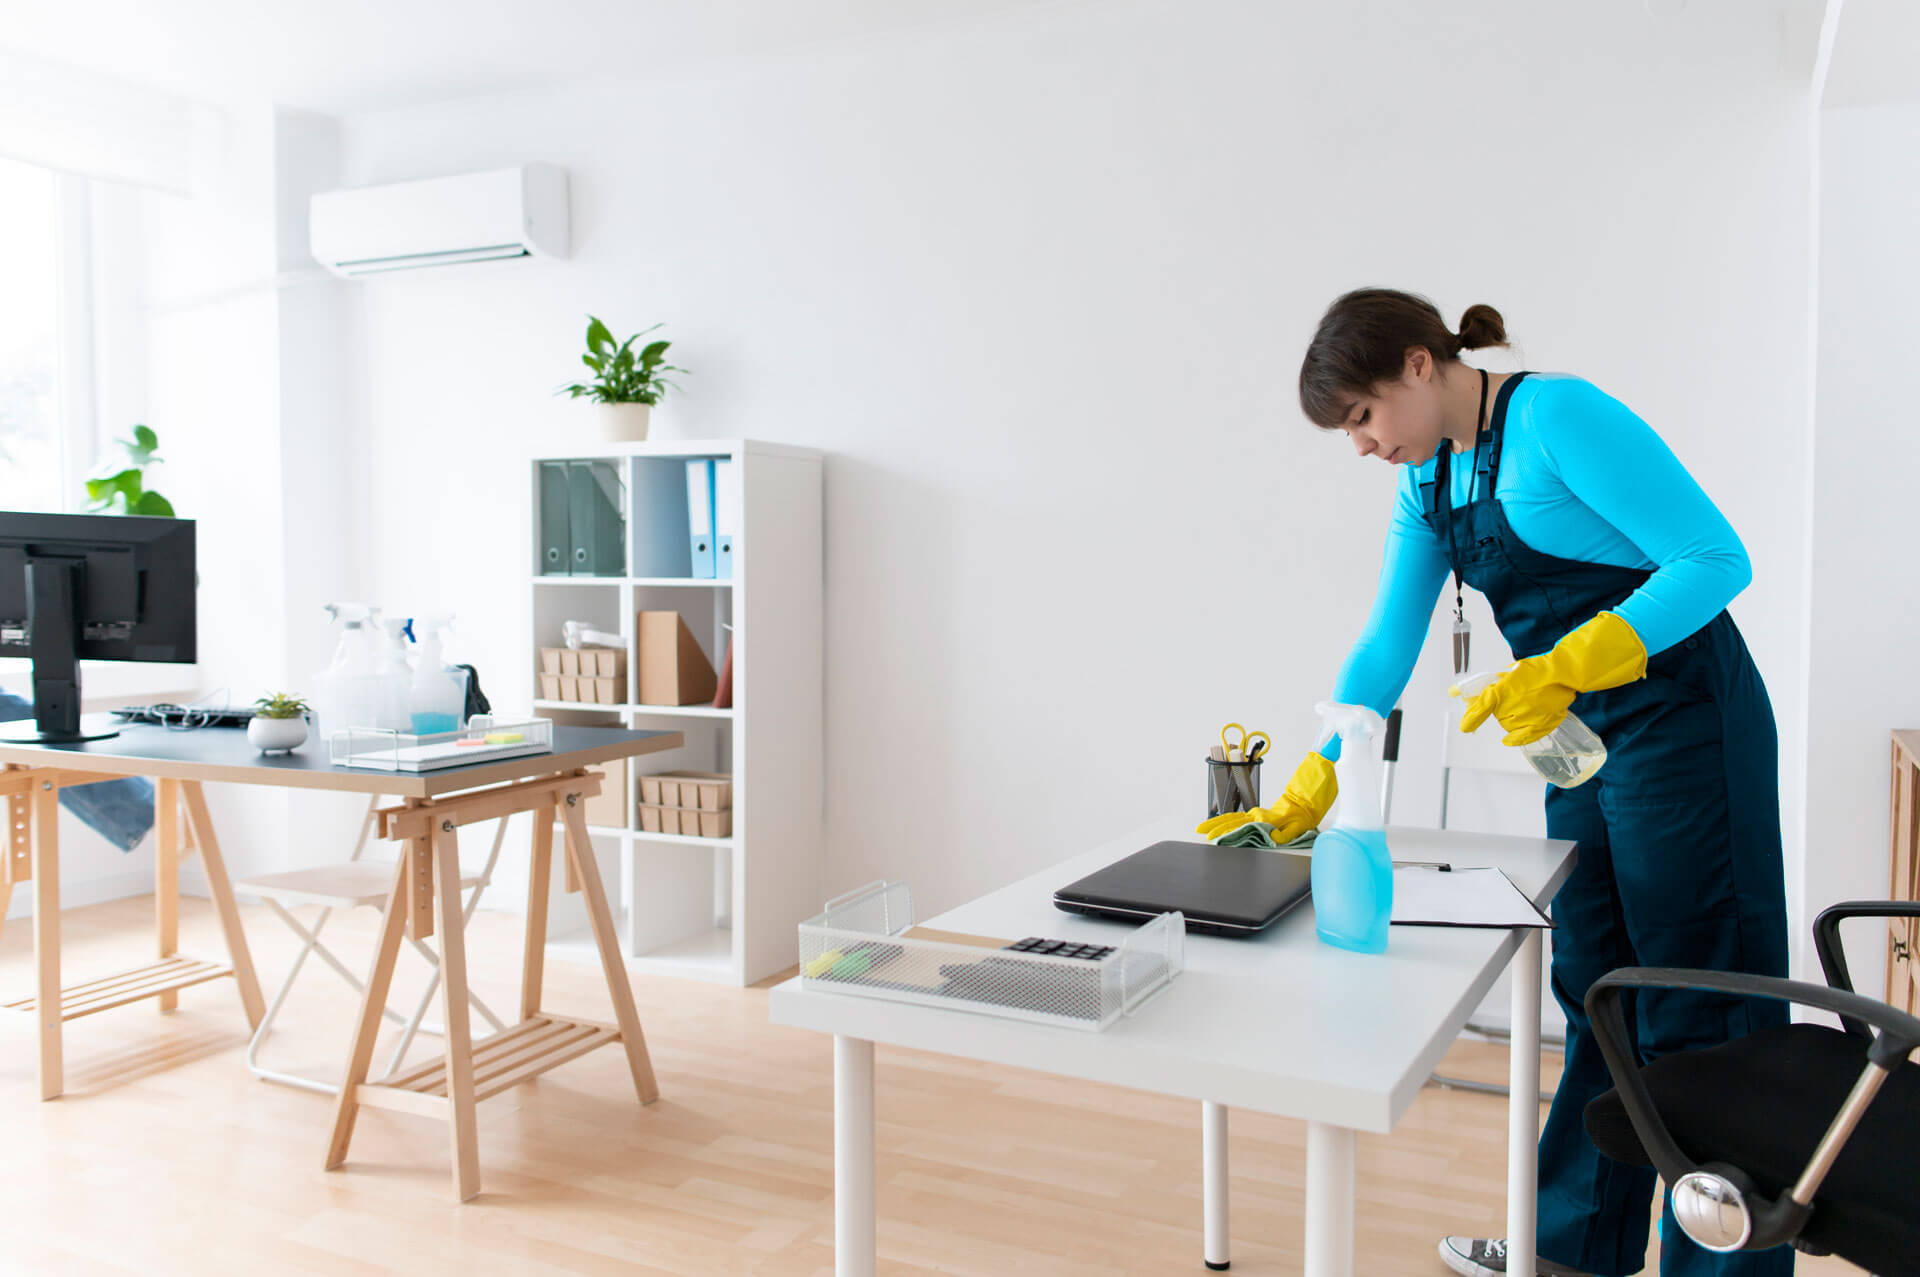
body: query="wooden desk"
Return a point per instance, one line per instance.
(425, 898)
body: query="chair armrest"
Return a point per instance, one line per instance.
(1833, 959)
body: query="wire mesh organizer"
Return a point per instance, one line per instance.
(859, 945)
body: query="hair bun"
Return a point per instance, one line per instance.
(1482, 326)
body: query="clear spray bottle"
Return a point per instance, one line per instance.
(1352, 870)
(1568, 755)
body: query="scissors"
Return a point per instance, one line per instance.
(1244, 749)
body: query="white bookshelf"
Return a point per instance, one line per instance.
(717, 909)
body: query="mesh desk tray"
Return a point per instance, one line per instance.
(858, 945)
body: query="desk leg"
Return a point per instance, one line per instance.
(1523, 1107)
(166, 876)
(451, 923)
(1213, 1180)
(373, 1005)
(606, 939)
(46, 936)
(1329, 1200)
(855, 1231)
(221, 889)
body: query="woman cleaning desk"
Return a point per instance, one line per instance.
(1609, 571)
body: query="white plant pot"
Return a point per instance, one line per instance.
(623, 422)
(276, 735)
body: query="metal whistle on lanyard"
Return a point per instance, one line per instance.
(1462, 636)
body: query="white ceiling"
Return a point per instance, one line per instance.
(350, 56)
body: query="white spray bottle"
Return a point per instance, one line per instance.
(438, 699)
(1352, 869)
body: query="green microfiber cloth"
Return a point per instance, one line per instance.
(1259, 833)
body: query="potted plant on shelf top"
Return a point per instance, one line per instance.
(625, 385)
(279, 724)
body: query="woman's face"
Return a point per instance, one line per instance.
(1399, 421)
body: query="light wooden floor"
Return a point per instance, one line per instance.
(166, 1156)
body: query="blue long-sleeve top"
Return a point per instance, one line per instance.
(1583, 478)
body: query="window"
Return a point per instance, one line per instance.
(32, 461)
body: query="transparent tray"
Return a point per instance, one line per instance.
(858, 946)
(384, 750)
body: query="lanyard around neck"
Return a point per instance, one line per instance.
(1462, 630)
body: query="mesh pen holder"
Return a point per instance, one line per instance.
(858, 945)
(1232, 786)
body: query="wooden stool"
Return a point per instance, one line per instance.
(33, 797)
(426, 895)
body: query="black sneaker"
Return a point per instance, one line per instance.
(1487, 1257)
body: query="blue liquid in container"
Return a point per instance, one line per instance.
(1352, 888)
(429, 724)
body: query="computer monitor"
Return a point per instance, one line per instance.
(93, 587)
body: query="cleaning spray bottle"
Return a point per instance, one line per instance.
(1352, 871)
(438, 697)
(353, 659)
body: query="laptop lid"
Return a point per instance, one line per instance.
(1241, 888)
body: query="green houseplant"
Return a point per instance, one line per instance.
(120, 486)
(625, 383)
(279, 723)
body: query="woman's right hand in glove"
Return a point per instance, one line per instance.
(1305, 802)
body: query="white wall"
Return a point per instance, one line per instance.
(1040, 285)
(1864, 611)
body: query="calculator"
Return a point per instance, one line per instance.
(1061, 948)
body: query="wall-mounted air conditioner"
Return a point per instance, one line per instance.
(442, 221)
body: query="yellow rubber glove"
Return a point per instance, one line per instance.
(1303, 805)
(1531, 698)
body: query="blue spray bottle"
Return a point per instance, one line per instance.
(1352, 871)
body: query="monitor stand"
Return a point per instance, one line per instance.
(53, 626)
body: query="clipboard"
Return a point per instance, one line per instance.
(1462, 898)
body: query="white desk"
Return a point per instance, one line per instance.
(1281, 1024)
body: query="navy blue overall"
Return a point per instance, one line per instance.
(1679, 862)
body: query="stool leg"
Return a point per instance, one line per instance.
(373, 1001)
(540, 879)
(221, 889)
(166, 877)
(46, 937)
(451, 924)
(607, 940)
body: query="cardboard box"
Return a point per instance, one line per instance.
(608, 808)
(608, 662)
(569, 663)
(685, 821)
(569, 687)
(673, 669)
(706, 791)
(549, 687)
(550, 659)
(606, 691)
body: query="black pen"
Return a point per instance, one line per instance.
(1441, 865)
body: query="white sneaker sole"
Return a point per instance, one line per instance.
(1463, 1265)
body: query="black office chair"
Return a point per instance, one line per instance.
(1801, 1133)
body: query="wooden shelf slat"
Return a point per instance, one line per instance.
(512, 1056)
(177, 972)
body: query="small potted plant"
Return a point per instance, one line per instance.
(625, 385)
(279, 724)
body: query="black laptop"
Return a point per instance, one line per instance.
(1222, 891)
